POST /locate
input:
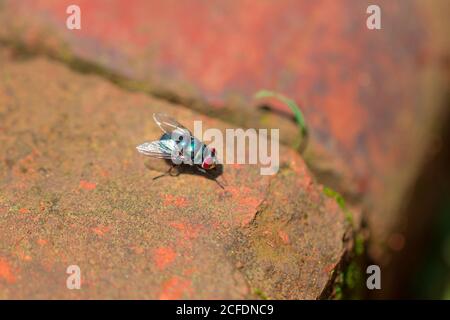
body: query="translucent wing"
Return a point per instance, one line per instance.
(169, 124)
(163, 149)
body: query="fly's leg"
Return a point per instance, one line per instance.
(169, 172)
(217, 181)
(177, 171)
(162, 175)
(210, 176)
(225, 180)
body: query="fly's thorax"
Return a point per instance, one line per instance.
(188, 149)
(197, 148)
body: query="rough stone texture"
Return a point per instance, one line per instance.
(74, 191)
(362, 91)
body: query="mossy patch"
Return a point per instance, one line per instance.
(340, 201)
(359, 245)
(349, 282)
(260, 294)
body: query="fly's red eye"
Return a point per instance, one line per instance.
(208, 163)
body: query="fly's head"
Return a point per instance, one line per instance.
(209, 159)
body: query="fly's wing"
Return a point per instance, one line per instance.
(171, 126)
(157, 149)
(162, 149)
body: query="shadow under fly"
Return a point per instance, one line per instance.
(176, 170)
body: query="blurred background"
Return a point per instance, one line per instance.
(376, 102)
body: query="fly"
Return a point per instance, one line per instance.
(179, 145)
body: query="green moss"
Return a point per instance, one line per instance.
(338, 287)
(260, 294)
(349, 282)
(359, 245)
(352, 276)
(338, 293)
(340, 201)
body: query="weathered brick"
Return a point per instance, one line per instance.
(372, 99)
(73, 190)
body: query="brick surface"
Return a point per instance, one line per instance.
(74, 191)
(362, 91)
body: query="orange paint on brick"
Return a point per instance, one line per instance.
(175, 288)
(246, 201)
(101, 230)
(104, 173)
(329, 268)
(189, 272)
(248, 208)
(6, 272)
(246, 219)
(24, 257)
(189, 231)
(24, 210)
(180, 202)
(284, 236)
(164, 256)
(42, 242)
(250, 202)
(86, 185)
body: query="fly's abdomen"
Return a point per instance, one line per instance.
(191, 149)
